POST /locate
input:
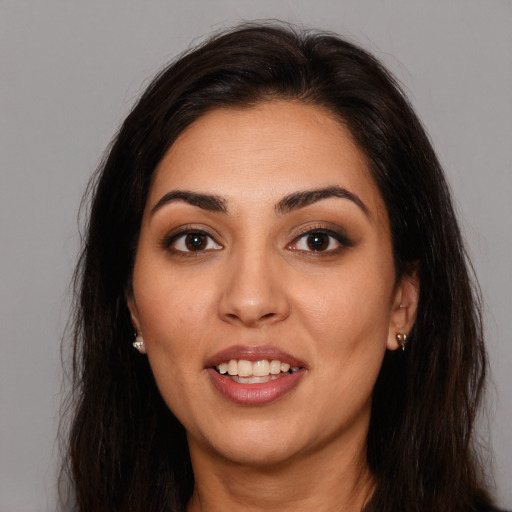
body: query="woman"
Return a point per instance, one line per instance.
(272, 226)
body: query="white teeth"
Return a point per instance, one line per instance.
(260, 368)
(251, 371)
(233, 367)
(275, 367)
(244, 368)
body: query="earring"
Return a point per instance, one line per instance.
(138, 344)
(402, 339)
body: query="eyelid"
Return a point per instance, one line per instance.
(336, 234)
(187, 229)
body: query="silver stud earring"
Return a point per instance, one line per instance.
(138, 344)
(401, 337)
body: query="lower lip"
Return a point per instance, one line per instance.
(255, 394)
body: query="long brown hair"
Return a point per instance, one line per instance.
(126, 449)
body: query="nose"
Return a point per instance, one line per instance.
(253, 292)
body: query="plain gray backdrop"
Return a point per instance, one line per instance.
(69, 73)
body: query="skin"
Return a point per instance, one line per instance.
(257, 282)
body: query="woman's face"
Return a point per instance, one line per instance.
(265, 253)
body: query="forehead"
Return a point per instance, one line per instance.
(266, 151)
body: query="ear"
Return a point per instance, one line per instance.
(404, 308)
(134, 313)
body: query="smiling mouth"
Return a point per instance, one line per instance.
(243, 371)
(254, 375)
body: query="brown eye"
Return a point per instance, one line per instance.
(320, 241)
(317, 241)
(196, 241)
(192, 241)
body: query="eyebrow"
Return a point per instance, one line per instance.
(294, 201)
(205, 201)
(304, 198)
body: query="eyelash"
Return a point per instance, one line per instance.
(169, 242)
(338, 237)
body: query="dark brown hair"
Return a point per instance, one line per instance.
(127, 452)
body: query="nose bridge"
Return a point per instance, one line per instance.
(253, 292)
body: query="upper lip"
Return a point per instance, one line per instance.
(256, 353)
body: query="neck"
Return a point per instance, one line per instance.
(334, 478)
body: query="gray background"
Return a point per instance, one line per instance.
(69, 72)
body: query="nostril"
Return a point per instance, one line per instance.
(250, 320)
(252, 304)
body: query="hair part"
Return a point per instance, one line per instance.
(126, 450)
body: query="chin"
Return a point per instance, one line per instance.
(253, 443)
(260, 455)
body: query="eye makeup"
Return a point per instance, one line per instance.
(190, 240)
(320, 239)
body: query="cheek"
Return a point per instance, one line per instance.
(349, 305)
(173, 313)
(174, 321)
